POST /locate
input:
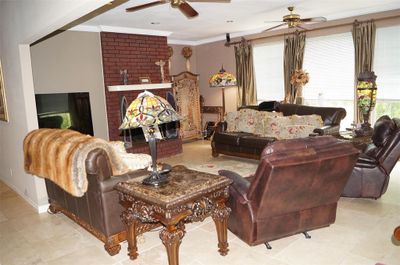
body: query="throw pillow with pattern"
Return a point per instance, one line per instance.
(247, 120)
(231, 119)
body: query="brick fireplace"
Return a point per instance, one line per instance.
(137, 54)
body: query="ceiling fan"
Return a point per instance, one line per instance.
(293, 20)
(182, 5)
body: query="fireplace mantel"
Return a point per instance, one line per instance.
(139, 87)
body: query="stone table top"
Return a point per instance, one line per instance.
(184, 185)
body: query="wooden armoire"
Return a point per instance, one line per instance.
(187, 97)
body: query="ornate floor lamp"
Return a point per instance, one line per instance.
(148, 111)
(366, 100)
(222, 79)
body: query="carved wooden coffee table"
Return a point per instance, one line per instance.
(190, 196)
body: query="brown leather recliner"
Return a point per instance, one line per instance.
(295, 189)
(98, 210)
(370, 176)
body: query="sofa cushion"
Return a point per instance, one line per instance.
(231, 138)
(257, 142)
(231, 119)
(247, 120)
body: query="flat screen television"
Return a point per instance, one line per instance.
(65, 111)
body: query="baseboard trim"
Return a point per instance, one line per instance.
(39, 208)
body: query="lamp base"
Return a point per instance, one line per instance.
(158, 178)
(365, 130)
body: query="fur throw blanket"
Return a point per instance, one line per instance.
(59, 155)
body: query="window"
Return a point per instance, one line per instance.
(268, 68)
(387, 69)
(329, 60)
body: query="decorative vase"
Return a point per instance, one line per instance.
(299, 95)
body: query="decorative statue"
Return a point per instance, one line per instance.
(170, 53)
(187, 53)
(124, 75)
(161, 63)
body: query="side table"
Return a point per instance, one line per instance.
(359, 142)
(189, 196)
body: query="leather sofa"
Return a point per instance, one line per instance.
(98, 210)
(250, 146)
(371, 174)
(295, 189)
(80, 173)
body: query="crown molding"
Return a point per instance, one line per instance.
(121, 30)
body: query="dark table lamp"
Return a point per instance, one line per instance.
(366, 100)
(148, 111)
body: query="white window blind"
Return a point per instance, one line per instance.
(268, 67)
(387, 69)
(329, 60)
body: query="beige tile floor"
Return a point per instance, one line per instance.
(360, 236)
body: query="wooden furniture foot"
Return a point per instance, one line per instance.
(171, 236)
(112, 247)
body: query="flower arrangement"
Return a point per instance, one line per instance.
(299, 78)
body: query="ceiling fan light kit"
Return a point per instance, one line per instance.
(293, 20)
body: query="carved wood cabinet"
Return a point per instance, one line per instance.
(187, 97)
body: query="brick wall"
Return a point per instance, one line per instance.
(137, 54)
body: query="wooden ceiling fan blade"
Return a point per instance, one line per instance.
(272, 21)
(186, 9)
(210, 1)
(274, 27)
(301, 27)
(136, 8)
(314, 19)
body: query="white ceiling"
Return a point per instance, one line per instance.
(249, 16)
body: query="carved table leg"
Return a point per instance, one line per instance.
(131, 223)
(132, 242)
(220, 216)
(171, 236)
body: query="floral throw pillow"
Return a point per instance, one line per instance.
(247, 120)
(296, 131)
(261, 120)
(311, 120)
(273, 127)
(231, 119)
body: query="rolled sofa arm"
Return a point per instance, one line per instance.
(239, 183)
(108, 184)
(221, 126)
(327, 130)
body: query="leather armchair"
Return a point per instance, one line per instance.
(295, 189)
(370, 176)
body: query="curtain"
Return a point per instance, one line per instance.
(364, 44)
(247, 94)
(293, 59)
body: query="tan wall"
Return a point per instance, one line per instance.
(23, 22)
(210, 58)
(71, 62)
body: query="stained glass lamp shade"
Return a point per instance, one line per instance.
(148, 111)
(222, 79)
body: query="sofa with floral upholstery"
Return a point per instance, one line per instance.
(247, 131)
